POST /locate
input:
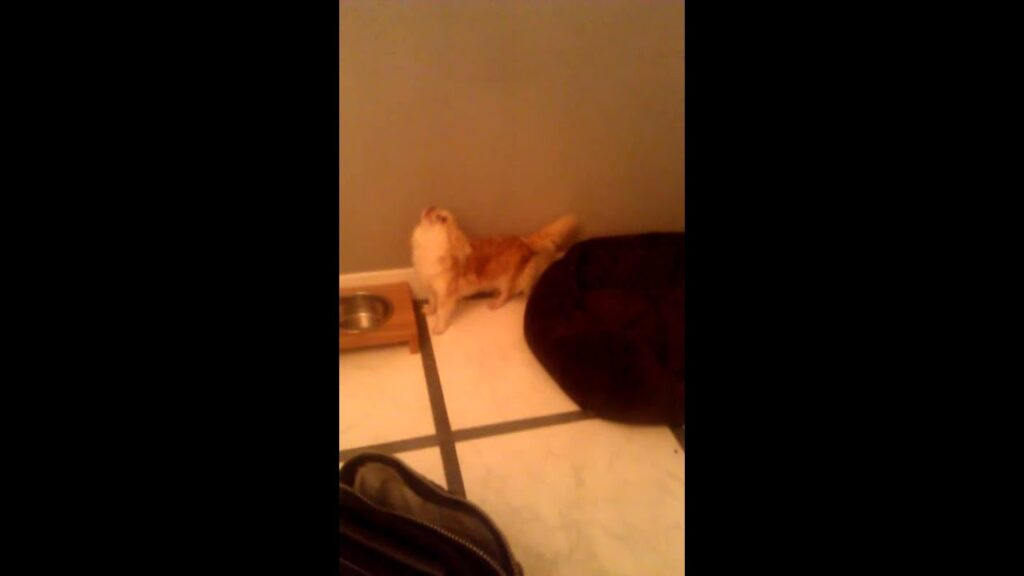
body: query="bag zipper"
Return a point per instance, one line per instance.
(444, 532)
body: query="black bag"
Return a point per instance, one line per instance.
(393, 521)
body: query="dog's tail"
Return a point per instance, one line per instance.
(554, 237)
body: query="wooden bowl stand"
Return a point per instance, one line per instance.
(400, 328)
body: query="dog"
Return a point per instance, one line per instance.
(453, 266)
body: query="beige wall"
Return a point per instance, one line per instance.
(509, 113)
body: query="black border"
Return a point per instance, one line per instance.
(196, 392)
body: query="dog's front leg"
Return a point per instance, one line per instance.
(431, 306)
(445, 307)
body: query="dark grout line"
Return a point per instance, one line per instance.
(443, 428)
(520, 425)
(485, 431)
(680, 433)
(488, 431)
(391, 447)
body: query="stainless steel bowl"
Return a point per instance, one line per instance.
(362, 312)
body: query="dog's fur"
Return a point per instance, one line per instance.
(452, 266)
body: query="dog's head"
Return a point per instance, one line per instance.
(439, 219)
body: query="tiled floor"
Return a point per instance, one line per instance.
(589, 497)
(477, 413)
(378, 384)
(487, 371)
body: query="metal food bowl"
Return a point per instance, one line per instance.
(362, 312)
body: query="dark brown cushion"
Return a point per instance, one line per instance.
(607, 322)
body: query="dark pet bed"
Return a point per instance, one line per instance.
(607, 322)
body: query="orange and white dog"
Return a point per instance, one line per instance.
(452, 266)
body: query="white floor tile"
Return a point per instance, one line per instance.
(382, 396)
(590, 497)
(487, 371)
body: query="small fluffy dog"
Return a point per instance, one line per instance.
(453, 266)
